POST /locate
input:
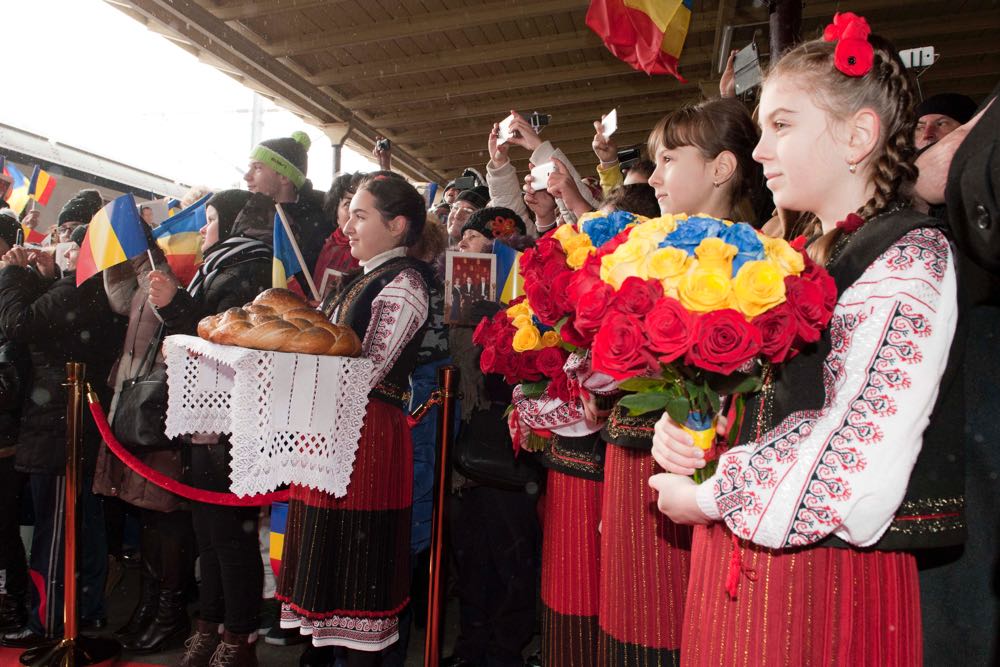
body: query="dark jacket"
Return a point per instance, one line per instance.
(14, 369)
(58, 322)
(309, 223)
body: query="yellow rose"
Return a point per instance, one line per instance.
(714, 254)
(616, 274)
(703, 290)
(527, 338)
(550, 339)
(522, 321)
(576, 242)
(564, 233)
(628, 259)
(668, 264)
(520, 309)
(579, 256)
(787, 259)
(759, 286)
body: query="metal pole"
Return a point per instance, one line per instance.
(337, 148)
(785, 18)
(72, 650)
(448, 381)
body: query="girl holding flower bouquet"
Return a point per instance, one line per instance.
(703, 166)
(839, 467)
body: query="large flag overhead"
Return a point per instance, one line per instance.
(286, 263)
(508, 272)
(114, 235)
(647, 34)
(41, 185)
(179, 236)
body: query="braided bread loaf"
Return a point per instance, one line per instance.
(280, 320)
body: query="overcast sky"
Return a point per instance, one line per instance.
(89, 76)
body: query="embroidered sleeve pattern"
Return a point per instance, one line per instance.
(843, 470)
(398, 312)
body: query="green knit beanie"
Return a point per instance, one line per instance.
(287, 156)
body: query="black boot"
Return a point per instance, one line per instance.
(12, 612)
(171, 623)
(145, 609)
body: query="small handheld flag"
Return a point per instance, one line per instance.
(508, 272)
(41, 185)
(17, 199)
(180, 240)
(287, 257)
(114, 236)
(649, 35)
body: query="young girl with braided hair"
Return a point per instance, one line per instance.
(802, 552)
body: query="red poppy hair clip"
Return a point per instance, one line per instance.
(854, 55)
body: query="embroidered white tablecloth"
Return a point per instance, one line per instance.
(292, 418)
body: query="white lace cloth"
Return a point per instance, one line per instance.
(293, 418)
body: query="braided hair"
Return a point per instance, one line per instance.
(887, 89)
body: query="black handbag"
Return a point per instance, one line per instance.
(141, 414)
(484, 453)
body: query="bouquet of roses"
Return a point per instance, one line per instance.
(681, 309)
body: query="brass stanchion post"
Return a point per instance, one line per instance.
(448, 381)
(72, 650)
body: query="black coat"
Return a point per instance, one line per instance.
(311, 225)
(58, 322)
(14, 369)
(233, 286)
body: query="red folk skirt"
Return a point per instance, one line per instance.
(345, 571)
(646, 559)
(570, 571)
(818, 606)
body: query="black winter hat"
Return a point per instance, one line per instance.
(82, 207)
(478, 196)
(287, 156)
(495, 222)
(954, 105)
(78, 234)
(228, 204)
(9, 226)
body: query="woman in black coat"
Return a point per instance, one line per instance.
(58, 322)
(237, 246)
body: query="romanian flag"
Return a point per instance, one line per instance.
(41, 186)
(286, 262)
(114, 235)
(279, 517)
(173, 207)
(33, 236)
(508, 272)
(180, 239)
(647, 34)
(18, 197)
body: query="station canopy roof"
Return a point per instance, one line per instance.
(433, 75)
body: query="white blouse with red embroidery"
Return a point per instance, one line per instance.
(843, 470)
(398, 312)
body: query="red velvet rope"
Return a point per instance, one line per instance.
(170, 484)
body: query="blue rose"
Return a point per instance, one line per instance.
(747, 242)
(602, 230)
(690, 233)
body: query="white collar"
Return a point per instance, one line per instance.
(382, 258)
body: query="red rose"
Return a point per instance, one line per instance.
(560, 292)
(620, 347)
(668, 326)
(488, 359)
(548, 247)
(550, 360)
(484, 332)
(583, 281)
(722, 341)
(528, 366)
(572, 335)
(637, 296)
(777, 332)
(591, 309)
(816, 274)
(542, 302)
(807, 300)
(559, 388)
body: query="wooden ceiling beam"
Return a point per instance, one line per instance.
(475, 55)
(206, 32)
(656, 93)
(421, 24)
(258, 9)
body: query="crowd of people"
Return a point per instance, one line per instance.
(831, 532)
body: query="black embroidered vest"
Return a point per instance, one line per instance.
(354, 302)
(581, 456)
(624, 430)
(932, 512)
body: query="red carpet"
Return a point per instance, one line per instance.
(8, 658)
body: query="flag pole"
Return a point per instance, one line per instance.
(298, 253)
